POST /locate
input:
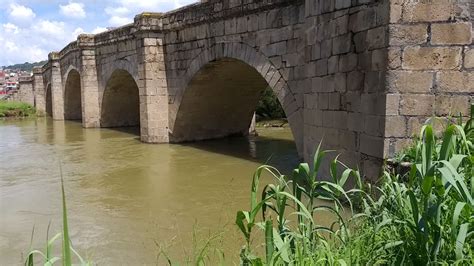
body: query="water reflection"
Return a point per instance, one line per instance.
(124, 195)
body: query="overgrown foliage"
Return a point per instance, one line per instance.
(424, 216)
(16, 109)
(269, 107)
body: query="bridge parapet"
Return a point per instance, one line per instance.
(119, 34)
(27, 79)
(71, 47)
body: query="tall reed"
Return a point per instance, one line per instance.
(424, 216)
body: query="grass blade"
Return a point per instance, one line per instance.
(67, 259)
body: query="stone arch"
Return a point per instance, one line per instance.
(120, 101)
(72, 95)
(48, 100)
(122, 64)
(210, 66)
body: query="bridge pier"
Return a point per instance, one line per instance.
(153, 90)
(89, 82)
(57, 95)
(38, 90)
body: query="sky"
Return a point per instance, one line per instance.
(30, 29)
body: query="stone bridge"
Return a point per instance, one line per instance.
(361, 74)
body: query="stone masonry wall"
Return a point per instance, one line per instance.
(430, 66)
(345, 62)
(266, 35)
(25, 91)
(359, 75)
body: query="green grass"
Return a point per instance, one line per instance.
(16, 109)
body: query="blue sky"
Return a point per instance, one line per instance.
(30, 29)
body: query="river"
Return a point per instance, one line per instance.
(124, 196)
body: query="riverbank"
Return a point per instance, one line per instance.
(277, 122)
(16, 109)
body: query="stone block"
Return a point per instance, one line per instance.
(340, 82)
(333, 64)
(392, 104)
(379, 59)
(451, 105)
(455, 81)
(340, 4)
(428, 11)
(419, 105)
(323, 101)
(410, 81)
(362, 20)
(342, 44)
(377, 38)
(327, 84)
(394, 58)
(321, 67)
(354, 122)
(451, 33)
(395, 126)
(360, 41)
(372, 146)
(339, 25)
(408, 34)
(347, 62)
(326, 48)
(355, 81)
(469, 57)
(426, 58)
(334, 101)
(374, 125)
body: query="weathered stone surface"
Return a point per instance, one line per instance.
(469, 58)
(428, 11)
(451, 33)
(363, 72)
(408, 34)
(410, 81)
(455, 81)
(426, 58)
(395, 126)
(448, 105)
(421, 105)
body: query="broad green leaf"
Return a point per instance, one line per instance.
(269, 248)
(461, 238)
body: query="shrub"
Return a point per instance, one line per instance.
(425, 216)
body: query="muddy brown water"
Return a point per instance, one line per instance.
(124, 196)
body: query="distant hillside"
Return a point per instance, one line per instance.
(26, 66)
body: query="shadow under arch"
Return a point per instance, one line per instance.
(120, 101)
(72, 96)
(220, 91)
(49, 101)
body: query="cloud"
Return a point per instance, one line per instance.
(48, 28)
(11, 28)
(73, 10)
(21, 14)
(123, 11)
(30, 29)
(99, 30)
(77, 32)
(119, 21)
